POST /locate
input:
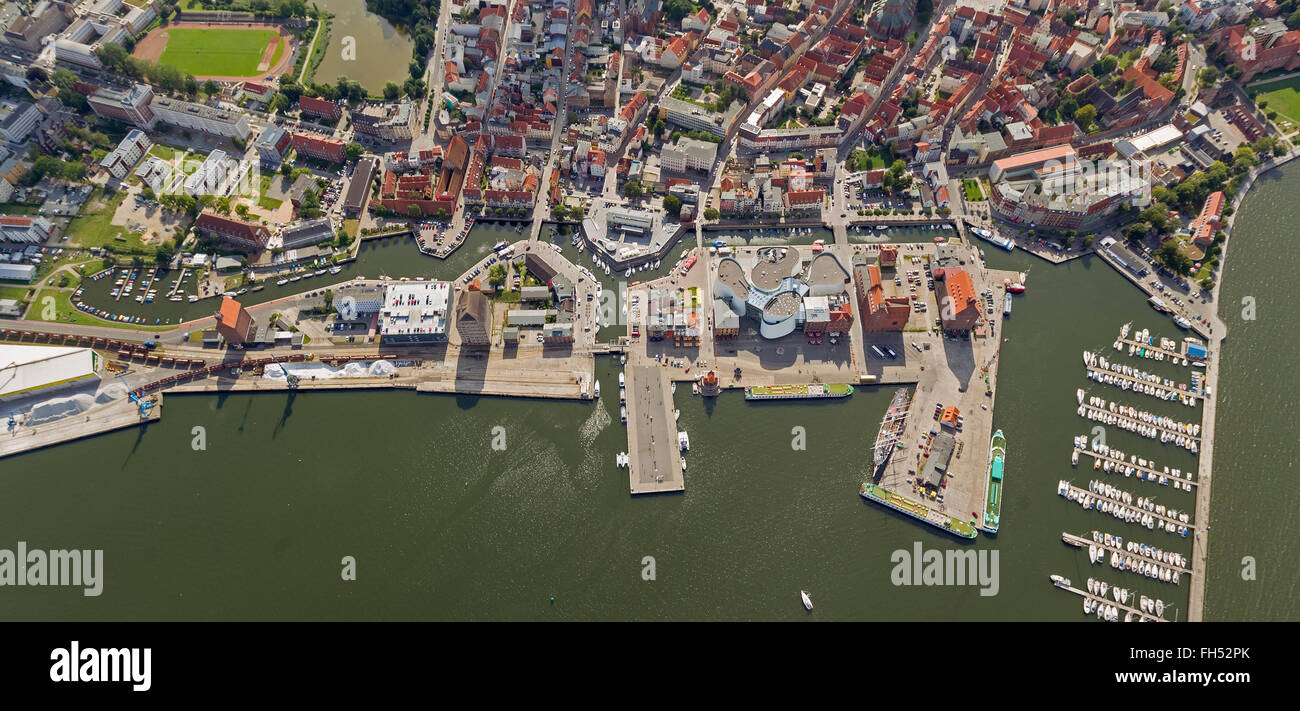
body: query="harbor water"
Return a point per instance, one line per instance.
(444, 526)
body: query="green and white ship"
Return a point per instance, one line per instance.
(993, 506)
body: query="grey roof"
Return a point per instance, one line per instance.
(308, 233)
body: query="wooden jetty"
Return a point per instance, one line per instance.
(1108, 601)
(1145, 559)
(1141, 511)
(1176, 390)
(1146, 471)
(1134, 421)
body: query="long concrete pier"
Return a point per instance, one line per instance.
(97, 420)
(656, 459)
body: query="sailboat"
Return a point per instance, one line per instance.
(807, 601)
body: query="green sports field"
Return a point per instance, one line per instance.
(207, 52)
(1282, 96)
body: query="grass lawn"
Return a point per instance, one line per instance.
(1282, 96)
(18, 208)
(215, 52)
(972, 190)
(65, 313)
(17, 293)
(351, 226)
(164, 152)
(869, 160)
(95, 229)
(269, 203)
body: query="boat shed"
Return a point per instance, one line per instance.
(936, 465)
(1196, 350)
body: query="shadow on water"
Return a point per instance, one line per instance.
(917, 524)
(135, 446)
(243, 420)
(286, 413)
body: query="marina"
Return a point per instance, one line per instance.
(1119, 504)
(1192, 353)
(1141, 422)
(1139, 381)
(1097, 601)
(1132, 552)
(1112, 461)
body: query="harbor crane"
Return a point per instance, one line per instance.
(290, 378)
(140, 402)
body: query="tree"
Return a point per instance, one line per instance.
(278, 104)
(632, 189)
(191, 85)
(211, 87)
(1105, 65)
(497, 274)
(392, 91)
(672, 205)
(353, 151)
(1085, 116)
(711, 214)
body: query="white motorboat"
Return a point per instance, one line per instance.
(807, 601)
(598, 388)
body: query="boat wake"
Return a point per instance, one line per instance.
(594, 424)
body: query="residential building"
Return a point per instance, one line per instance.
(321, 108)
(272, 146)
(17, 119)
(199, 117)
(319, 147)
(688, 154)
(123, 159)
(232, 232)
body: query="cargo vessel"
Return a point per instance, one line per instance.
(993, 503)
(918, 511)
(798, 391)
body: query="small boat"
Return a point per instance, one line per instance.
(597, 388)
(807, 601)
(282, 282)
(1016, 288)
(1060, 581)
